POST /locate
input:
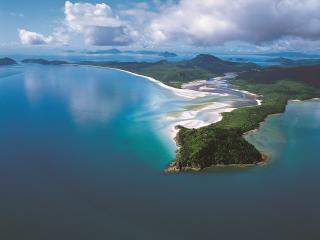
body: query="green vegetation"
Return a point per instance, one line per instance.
(290, 62)
(223, 142)
(44, 61)
(307, 74)
(176, 73)
(7, 61)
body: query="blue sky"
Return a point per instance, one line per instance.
(39, 15)
(250, 25)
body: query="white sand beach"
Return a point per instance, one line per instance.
(190, 94)
(197, 115)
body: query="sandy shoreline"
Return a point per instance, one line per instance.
(189, 118)
(190, 94)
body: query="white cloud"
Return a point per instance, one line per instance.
(210, 22)
(60, 36)
(79, 16)
(98, 24)
(95, 22)
(33, 38)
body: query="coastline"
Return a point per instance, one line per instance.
(266, 156)
(189, 94)
(173, 168)
(276, 113)
(186, 120)
(172, 129)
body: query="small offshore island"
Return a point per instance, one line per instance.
(222, 143)
(7, 61)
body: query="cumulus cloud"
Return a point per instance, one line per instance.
(210, 22)
(33, 38)
(79, 16)
(98, 24)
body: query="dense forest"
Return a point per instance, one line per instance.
(308, 74)
(223, 143)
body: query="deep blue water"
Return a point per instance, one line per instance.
(80, 158)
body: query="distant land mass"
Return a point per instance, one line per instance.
(203, 66)
(291, 62)
(222, 143)
(175, 74)
(7, 61)
(45, 62)
(165, 54)
(309, 74)
(291, 54)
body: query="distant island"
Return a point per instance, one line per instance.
(291, 62)
(291, 55)
(7, 61)
(222, 143)
(45, 62)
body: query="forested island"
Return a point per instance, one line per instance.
(45, 62)
(7, 61)
(223, 143)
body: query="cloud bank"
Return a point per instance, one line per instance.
(210, 22)
(200, 23)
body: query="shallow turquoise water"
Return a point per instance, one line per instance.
(81, 158)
